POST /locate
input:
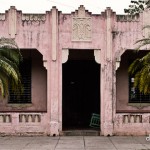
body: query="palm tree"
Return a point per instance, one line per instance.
(140, 68)
(10, 58)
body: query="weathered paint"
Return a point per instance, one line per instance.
(53, 32)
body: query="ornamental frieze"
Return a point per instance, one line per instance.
(33, 17)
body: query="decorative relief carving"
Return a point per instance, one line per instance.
(81, 30)
(132, 118)
(81, 26)
(5, 118)
(33, 17)
(2, 17)
(29, 118)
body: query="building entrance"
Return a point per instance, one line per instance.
(81, 89)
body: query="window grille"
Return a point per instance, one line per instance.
(25, 70)
(135, 96)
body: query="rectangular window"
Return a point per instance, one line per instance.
(25, 70)
(135, 96)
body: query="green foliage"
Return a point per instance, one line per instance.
(137, 6)
(140, 68)
(10, 58)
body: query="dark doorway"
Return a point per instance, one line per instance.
(81, 89)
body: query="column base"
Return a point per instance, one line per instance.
(54, 128)
(108, 129)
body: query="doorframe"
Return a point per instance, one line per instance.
(64, 59)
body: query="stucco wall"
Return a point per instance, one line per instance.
(51, 34)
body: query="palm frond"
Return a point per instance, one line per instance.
(13, 75)
(12, 64)
(3, 84)
(135, 66)
(12, 54)
(145, 79)
(10, 57)
(2, 88)
(9, 70)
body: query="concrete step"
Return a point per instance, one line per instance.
(80, 133)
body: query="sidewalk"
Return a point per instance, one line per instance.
(74, 143)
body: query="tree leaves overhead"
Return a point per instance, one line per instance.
(137, 6)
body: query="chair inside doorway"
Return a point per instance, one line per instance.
(95, 121)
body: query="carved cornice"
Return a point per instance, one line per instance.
(128, 18)
(33, 17)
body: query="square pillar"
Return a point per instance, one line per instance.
(107, 80)
(54, 76)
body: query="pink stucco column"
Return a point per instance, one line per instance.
(54, 100)
(106, 81)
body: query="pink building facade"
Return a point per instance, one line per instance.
(79, 66)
